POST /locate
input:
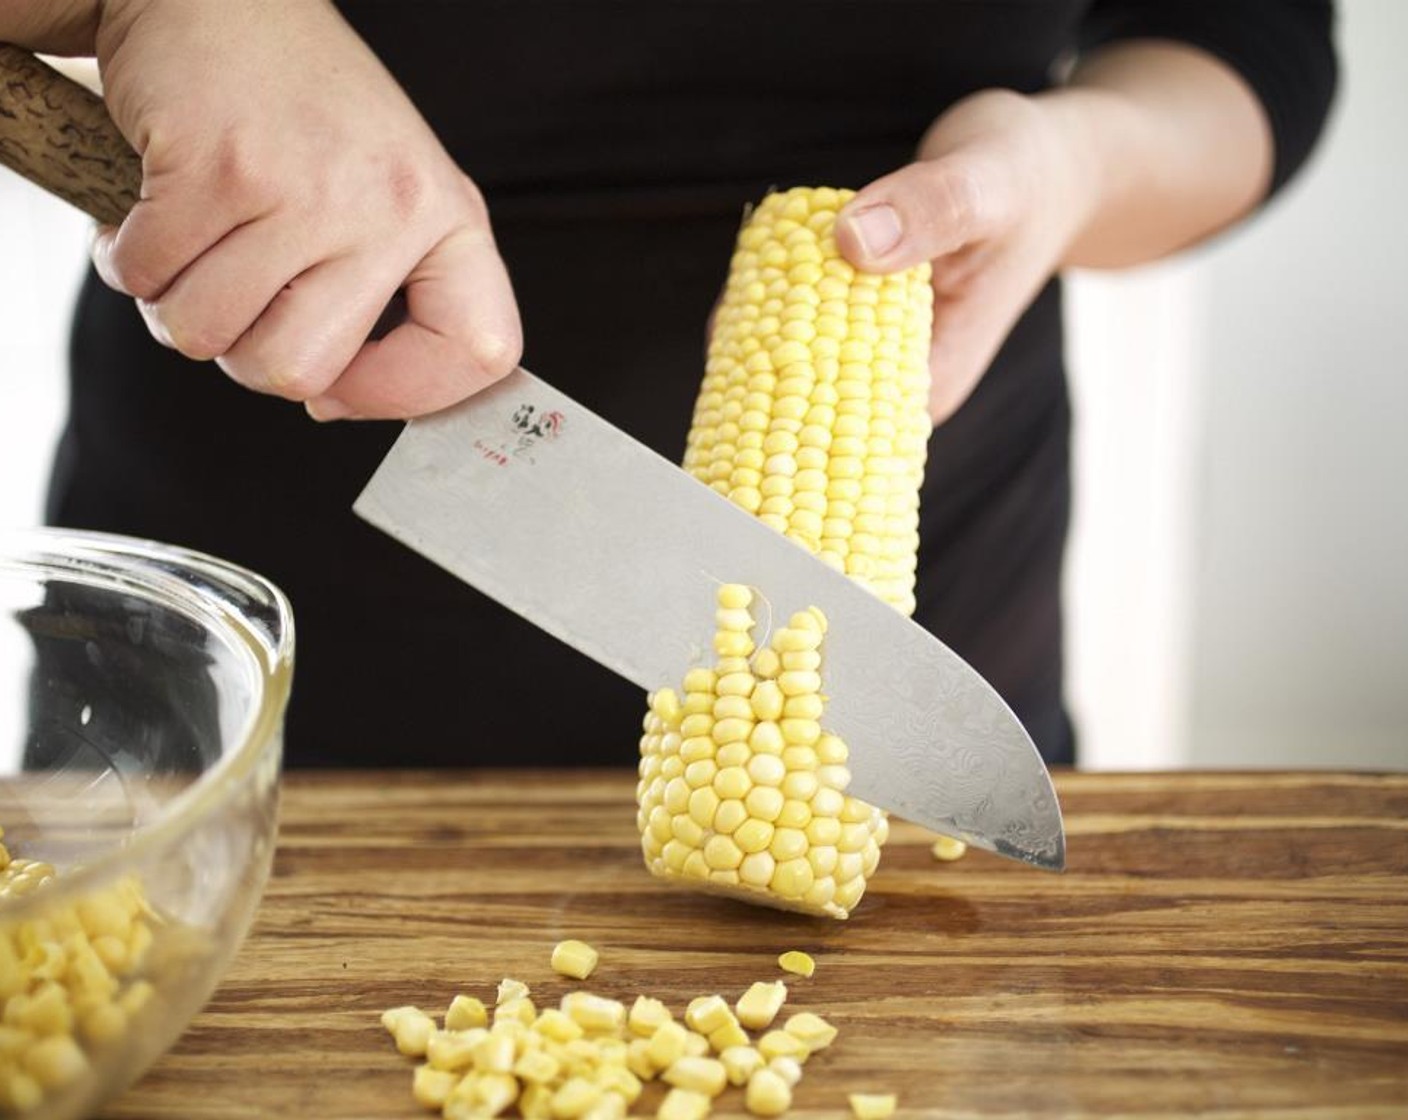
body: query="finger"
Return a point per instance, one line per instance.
(217, 298)
(312, 328)
(922, 211)
(970, 329)
(462, 335)
(163, 233)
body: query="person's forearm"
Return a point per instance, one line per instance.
(65, 27)
(1175, 146)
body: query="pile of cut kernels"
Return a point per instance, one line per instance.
(589, 1058)
(67, 981)
(741, 791)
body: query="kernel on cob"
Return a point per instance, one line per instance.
(813, 415)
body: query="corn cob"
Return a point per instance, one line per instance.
(813, 415)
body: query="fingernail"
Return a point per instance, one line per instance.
(876, 228)
(323, 409)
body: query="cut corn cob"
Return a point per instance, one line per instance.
(741, 791)
(813, 415)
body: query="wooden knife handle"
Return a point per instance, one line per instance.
(58, 134)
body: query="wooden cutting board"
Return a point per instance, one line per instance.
(1221, 944)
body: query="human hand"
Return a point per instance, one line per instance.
(290, 188)
(997, 194)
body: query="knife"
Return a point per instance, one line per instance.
(585, 532)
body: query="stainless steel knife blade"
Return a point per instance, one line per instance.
(584, 531)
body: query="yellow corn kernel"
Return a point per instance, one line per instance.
(796, 962)
(465, 1012)
(576, 959)
(946, 848)
(453, 1051)
(701, 1075)
(740, 1063)
(638, 1059)
(536, 1067)
(558, 1026)
(534, 1103)
(103, 1024)
(510, 988)
(789, 1069)
(519, 1010)
(871, 1106)
(594, 1013)
(574, 1097)
(768, 1094)
(493, 1092)
(432, 1087)
(646, 1016)
(55, 1061)
(814, 1032)
(19, 1092)
(495, 1052)
(780, 1044)
(759, 1005)
(667, 1044)
(730, 1034)
(707, 1014)
(410, 1027)
(610, 1106)
(621, 1081)
(683, 1104)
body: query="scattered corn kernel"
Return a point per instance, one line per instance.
(510, 988)
(780, 1044)
(872, 1106)
(768, 1094)
(740, 1063)
(576, 959)
(797, 963)
(811, 1030)
(759, 1005)
(646, 1016)
(432, 1087)
(683, 1104)
(946, 848)
(702, 1075)
(465, 1012)
(707, 1014)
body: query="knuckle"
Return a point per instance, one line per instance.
(472, 198)
(496, 354)
(407, 186)
(957, 200)
(237, 171)
(295, 377)
(129, 267)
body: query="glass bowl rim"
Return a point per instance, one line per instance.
(139, 566)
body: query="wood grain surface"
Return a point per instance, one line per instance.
(58, 135)
(1221, 945)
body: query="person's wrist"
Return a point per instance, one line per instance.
(1098, 166)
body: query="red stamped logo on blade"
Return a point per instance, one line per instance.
(527, 428)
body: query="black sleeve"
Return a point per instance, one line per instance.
(1283, 49)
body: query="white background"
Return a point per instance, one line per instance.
(1238, 580)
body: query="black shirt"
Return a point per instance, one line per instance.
(617, 143)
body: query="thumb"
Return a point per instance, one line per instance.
(918, 213)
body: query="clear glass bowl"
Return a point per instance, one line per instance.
(142, 696)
